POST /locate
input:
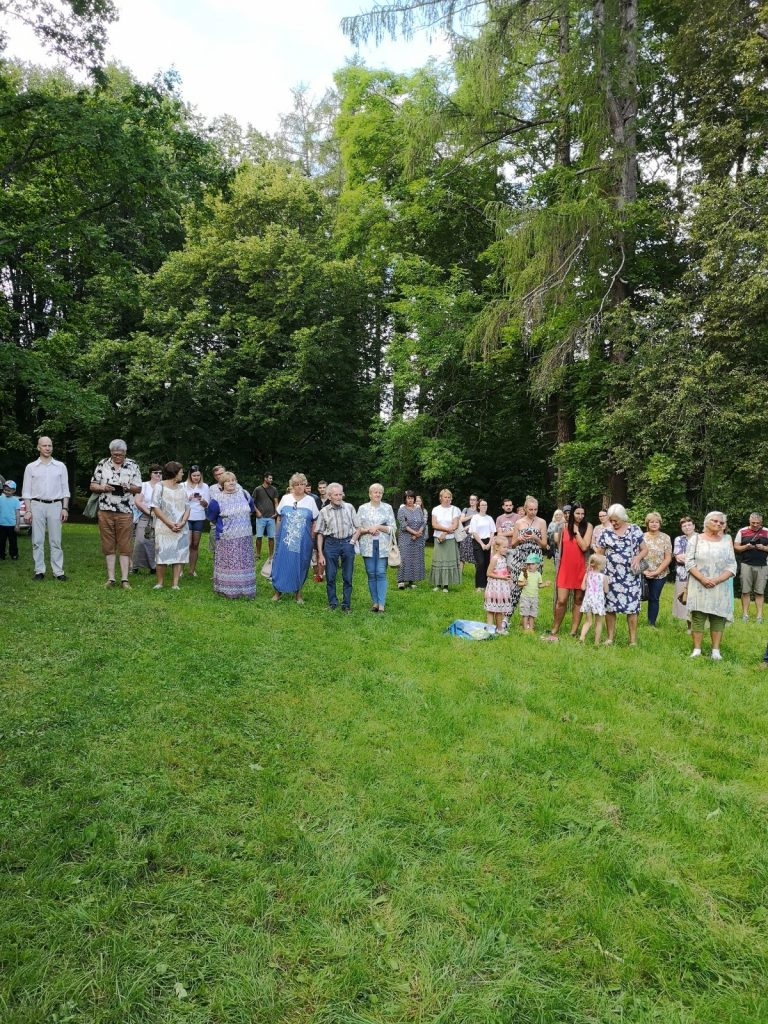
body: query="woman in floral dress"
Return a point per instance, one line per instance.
(412, 522)
(624, 548)
(234, 569)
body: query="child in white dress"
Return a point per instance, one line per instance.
(595, 587)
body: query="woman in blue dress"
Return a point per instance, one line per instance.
(624, 548)
(296, 514)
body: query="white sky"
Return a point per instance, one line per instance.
(241, 57)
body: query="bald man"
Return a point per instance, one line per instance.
(46, 492)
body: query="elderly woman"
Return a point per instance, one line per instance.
(170, 507)
(412, 522)
(296, 514)
(234, 568)
(659, 556)
(687, 528)
(528, 537)
(144, 532)
(116, 479)
(445, 570)
(624, 548)
(377, 528)
(575, 541)
(711, 566)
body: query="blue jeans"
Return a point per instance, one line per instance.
(655, 588)
(336, 551)
(376, 569)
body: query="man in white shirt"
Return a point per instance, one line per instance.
(46, 492)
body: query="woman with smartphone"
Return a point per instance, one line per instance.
(199, 497)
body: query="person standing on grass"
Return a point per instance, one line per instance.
(481, 531)
(711, 566)
(337, 531)
(144, 533)
(234, 569)
(46, 492)
(595, 587)
(624, 548)
(751, 543)
(199, 497)
(412, 524)
(498, 593)
(574, 543)
(505, 523)
(10, 521)
(116, 479)
(680, 610)
(171, 507)
(445, 570)
(296, 515)
(659, 556)
(265, 499)
(530, 582)
(377, 525)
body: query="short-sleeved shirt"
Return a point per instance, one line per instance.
(265, 499)
(757, 555)
(505, 523)
(9, 506)
(124, 476)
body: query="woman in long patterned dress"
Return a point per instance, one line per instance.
(170, 506)
(412, 523)
(466, 549)
(711, 566)
(528, 537)
(624, 548)
(296, 514)
(234, 568)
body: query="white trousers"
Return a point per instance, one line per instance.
(47, 517)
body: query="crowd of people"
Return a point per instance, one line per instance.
(602, 572)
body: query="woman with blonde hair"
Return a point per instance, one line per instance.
(296, 514)
(234, 568)
(659, 556)
(445, 570)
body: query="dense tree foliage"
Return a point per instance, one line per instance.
(539, 268)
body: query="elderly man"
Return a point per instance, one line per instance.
(751, 542)
(46, 492)
(337, 529)
(116, 479)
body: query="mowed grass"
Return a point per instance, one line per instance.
(248, 812)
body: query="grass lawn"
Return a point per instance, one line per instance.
(223, 813)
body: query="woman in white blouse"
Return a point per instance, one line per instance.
(377, 528)
(711, 566)
(482, 529)
(445, 557)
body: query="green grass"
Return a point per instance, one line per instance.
(247, 812)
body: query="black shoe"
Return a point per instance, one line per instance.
(39, 577)
(346, 610)
(62, 578)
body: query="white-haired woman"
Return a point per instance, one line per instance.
(296, 514)
(711, 566)
(624, 548)
(377, 528)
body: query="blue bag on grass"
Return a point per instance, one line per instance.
(468, 630)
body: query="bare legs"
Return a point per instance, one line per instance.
(561, 607)
(610, 623)
(194, 550)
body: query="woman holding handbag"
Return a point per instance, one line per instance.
(377, 531)
(711, 566)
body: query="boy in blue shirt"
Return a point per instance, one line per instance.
(9, 520)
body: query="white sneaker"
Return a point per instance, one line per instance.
(696, 652)
(745, 618)
(716, 656)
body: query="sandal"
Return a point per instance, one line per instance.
(109, 584)
(125, 585)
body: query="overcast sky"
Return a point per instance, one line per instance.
(241, 57)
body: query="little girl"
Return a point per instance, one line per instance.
(530, 582)
(595, 587)
(498, 592)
